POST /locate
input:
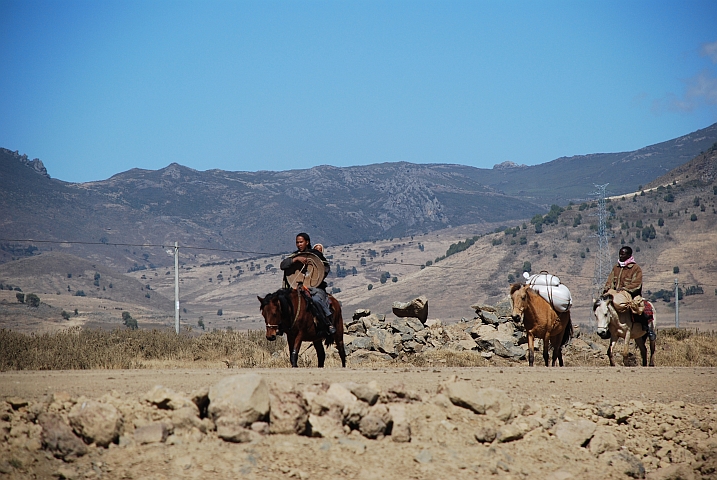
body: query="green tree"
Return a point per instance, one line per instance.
(675, 270)
(20, 297)
(527, 267)
(65, 315)
(32, 300)
(128, 321)
(693, 217)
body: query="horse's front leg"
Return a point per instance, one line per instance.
(294, 346)
(613, 340)
(320, 353)
(531, 352)
(626, 351)
(643, 350)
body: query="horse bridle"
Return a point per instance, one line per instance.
(296, 317)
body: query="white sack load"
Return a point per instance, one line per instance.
(549, 287)
(542, 278)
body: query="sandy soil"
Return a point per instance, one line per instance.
(523, 384)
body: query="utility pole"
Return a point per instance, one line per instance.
(176, 287)
(677, 305)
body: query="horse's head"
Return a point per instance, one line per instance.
(271, 311)
(602, 310)
(519, 297)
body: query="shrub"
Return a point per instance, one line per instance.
(693, 217)
(675, 270)
(669, 197)
(32, 300)
(660, 222)
(527, 267)
(20, 297)
(497, 241)
(200, 323)
(65, 315)
(80, 293)
(220, 312)
(394, 279)
(370, 286)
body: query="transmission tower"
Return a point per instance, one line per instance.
(603, 259)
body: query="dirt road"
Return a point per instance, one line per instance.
(523, 384)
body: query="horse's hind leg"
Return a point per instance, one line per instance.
(652, 353)
(546, 353)
(643, 350)
(341, 349)
(557, 350)
(320, 353)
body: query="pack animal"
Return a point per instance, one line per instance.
(288, 311)
(541, 321)
(614, 325)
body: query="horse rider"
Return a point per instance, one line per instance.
(626, 276)
(295, 261)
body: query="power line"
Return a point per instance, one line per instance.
(112, 244)
(379, 262)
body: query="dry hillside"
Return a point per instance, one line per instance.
(670, 226)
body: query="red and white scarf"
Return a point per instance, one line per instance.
(627, 262)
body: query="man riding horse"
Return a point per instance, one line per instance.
(299, 261)
(626, 278)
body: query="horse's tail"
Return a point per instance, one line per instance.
(336, 320)
(568, 332)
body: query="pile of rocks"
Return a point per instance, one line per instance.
(239, 409)
(491, 332)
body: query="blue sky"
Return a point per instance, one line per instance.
(96, 88)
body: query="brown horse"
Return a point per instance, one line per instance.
(615, 326)
(540, 320)
(288, 311)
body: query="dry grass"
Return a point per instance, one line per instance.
(674, 348)
(78, 349)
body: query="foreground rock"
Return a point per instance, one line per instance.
(248, 427)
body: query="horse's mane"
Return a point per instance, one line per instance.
(515, 287)
(283, 295)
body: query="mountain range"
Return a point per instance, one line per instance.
(242, 214)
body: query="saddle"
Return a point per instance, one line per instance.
(645, 317)
(320, 320)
